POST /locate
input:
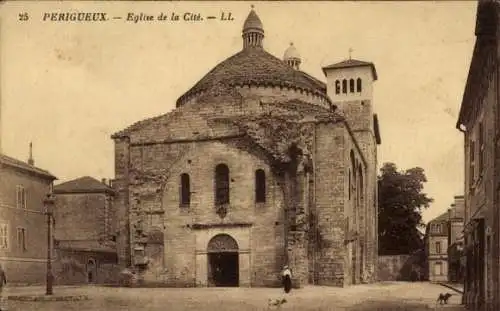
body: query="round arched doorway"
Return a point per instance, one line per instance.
(223, 261)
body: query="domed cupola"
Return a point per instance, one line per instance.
(292, 57)
(253, 31)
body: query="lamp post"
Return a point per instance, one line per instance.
(49, 205)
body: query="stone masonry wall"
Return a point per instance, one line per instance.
(147, 181)
(80, 217)
(360, 118)
(121, 205)
(330, 200)
(160, 194)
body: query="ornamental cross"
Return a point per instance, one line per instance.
(350, 52)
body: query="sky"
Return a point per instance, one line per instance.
(67, 86)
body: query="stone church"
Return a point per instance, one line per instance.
(259, 165)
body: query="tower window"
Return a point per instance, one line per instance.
(337, 87)
(344, 86)
(351, 85)
(185, 195)
(221, 184)
(358, 86)
(260, 186)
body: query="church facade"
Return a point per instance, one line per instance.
(259, 166)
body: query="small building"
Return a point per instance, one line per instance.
(23, 223)
(84, 232)
(437, 248)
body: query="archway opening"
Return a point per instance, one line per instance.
(223, 261)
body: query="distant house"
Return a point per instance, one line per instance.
(84, 232)
(443, 244)
(436, 245)
(23, 224)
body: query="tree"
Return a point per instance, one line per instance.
(401, 202)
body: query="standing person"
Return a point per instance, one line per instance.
(287, 279)
(3, 281)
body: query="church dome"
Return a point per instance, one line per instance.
(253, 66)
(258, 68)
(291, 53)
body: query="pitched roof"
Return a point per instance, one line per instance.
(440, 218)
(352, 63)
(255, 66)
(485, 31)
(277, 129)
(266, 129)
(84, 184)
(17, 164)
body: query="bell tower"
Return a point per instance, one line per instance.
(350, 87)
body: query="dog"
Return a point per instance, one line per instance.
(443, 298)
(276, 302)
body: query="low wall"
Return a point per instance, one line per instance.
(21, 271)
(399, 268)
(70, 268)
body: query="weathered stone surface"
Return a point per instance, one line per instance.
(317, 202)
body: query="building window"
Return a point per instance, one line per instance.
(4, 236)
(21, 239)
(185, 191)
(471, 163)
(351, 85)
(435, 228)
(221, 184)
(481, 148)
(438, 268)
(344, 86)
(260, 186)
(358, 86)
(337, 87)
(438, 247)
(21, 197)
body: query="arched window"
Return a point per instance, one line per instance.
(337, 87)
(351, 85)
(352, 180)
(358, 88)
(260, 186)
(185, 193)
(221, 184)
(344, 86)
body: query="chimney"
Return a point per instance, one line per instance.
(30, 159)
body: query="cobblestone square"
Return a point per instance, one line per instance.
(381, 296)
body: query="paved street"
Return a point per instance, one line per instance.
(384, 296)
